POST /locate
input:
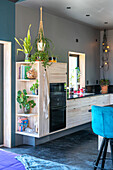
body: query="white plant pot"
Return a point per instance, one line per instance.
(41, 46)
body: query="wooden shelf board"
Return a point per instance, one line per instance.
(26, 79)
(32, 95)
(27, 134)
(26, 115)
(23, 62)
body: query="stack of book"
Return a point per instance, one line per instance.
(23, 69)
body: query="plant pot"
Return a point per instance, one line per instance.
(27, 57)
(36, 91)
(104, 89)
(33, 92)
(26, 110)
(40, 46)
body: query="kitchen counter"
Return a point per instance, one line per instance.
(76, 96)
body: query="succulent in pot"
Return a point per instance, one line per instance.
(22, 99)
(34, 88)
(104, 83)
(26, 46)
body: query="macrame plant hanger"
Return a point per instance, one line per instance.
(40, 42)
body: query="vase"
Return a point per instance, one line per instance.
(33, 92)
(27, 57)
(104, 89)
(26, 110)
(36, 91)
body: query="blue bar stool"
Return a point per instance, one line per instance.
(102, 125)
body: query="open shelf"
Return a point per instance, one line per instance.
(26, 115)
(26, 79)
(33, 134)
(32, 95)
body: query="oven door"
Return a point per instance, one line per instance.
(57, 118)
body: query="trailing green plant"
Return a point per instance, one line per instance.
(26, 46)
(48, 48)
(104, 82)
(34, 86)
(22, 99)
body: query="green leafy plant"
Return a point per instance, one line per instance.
(104, 82)
(26, 47)
(22, 99)
(78, 74)
(43, 55)
(34, 86)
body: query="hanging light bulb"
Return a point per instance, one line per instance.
(108, 46)
(106, 50)
(106, 63)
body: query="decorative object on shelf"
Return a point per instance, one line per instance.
(53, 59)
(32, 74)
(22, 99)
(104, 86)
(26, 47)
(34, 88)
(23, 124)
(42, 46)
(105, 54)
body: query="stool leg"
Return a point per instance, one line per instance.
(100, 153)
(111, 145)
(104, 153)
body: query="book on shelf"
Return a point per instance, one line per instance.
(23, 69)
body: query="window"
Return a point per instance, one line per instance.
(76, 72)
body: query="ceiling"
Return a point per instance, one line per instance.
(100, 11)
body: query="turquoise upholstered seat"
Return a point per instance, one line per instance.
(102, 121)
(102, 124)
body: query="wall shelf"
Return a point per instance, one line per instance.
(26, 115)
(26, 80)
(32, 95)
(33, 134)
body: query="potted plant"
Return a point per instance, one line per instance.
(42, 53)
(26, 47)
(34, 88)
(22, 99)
(104, 85)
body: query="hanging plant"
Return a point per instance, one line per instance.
(43, 56)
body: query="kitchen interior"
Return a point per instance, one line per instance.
(75, 77)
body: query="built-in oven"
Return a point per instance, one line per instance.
(57, 106)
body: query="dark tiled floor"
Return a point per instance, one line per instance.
(78, 149)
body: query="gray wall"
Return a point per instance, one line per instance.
(63, 33)
(109, 73)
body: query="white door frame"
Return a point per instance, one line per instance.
(7, 93)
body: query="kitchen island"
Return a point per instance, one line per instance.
(77, 107)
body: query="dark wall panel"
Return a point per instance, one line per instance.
(7, 33)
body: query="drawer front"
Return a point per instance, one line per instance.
(78, 116)
(111, 98)
(103, 100)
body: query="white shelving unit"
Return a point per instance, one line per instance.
(33, 116)
(37, 117)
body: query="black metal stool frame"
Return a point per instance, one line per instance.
(103, 152)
